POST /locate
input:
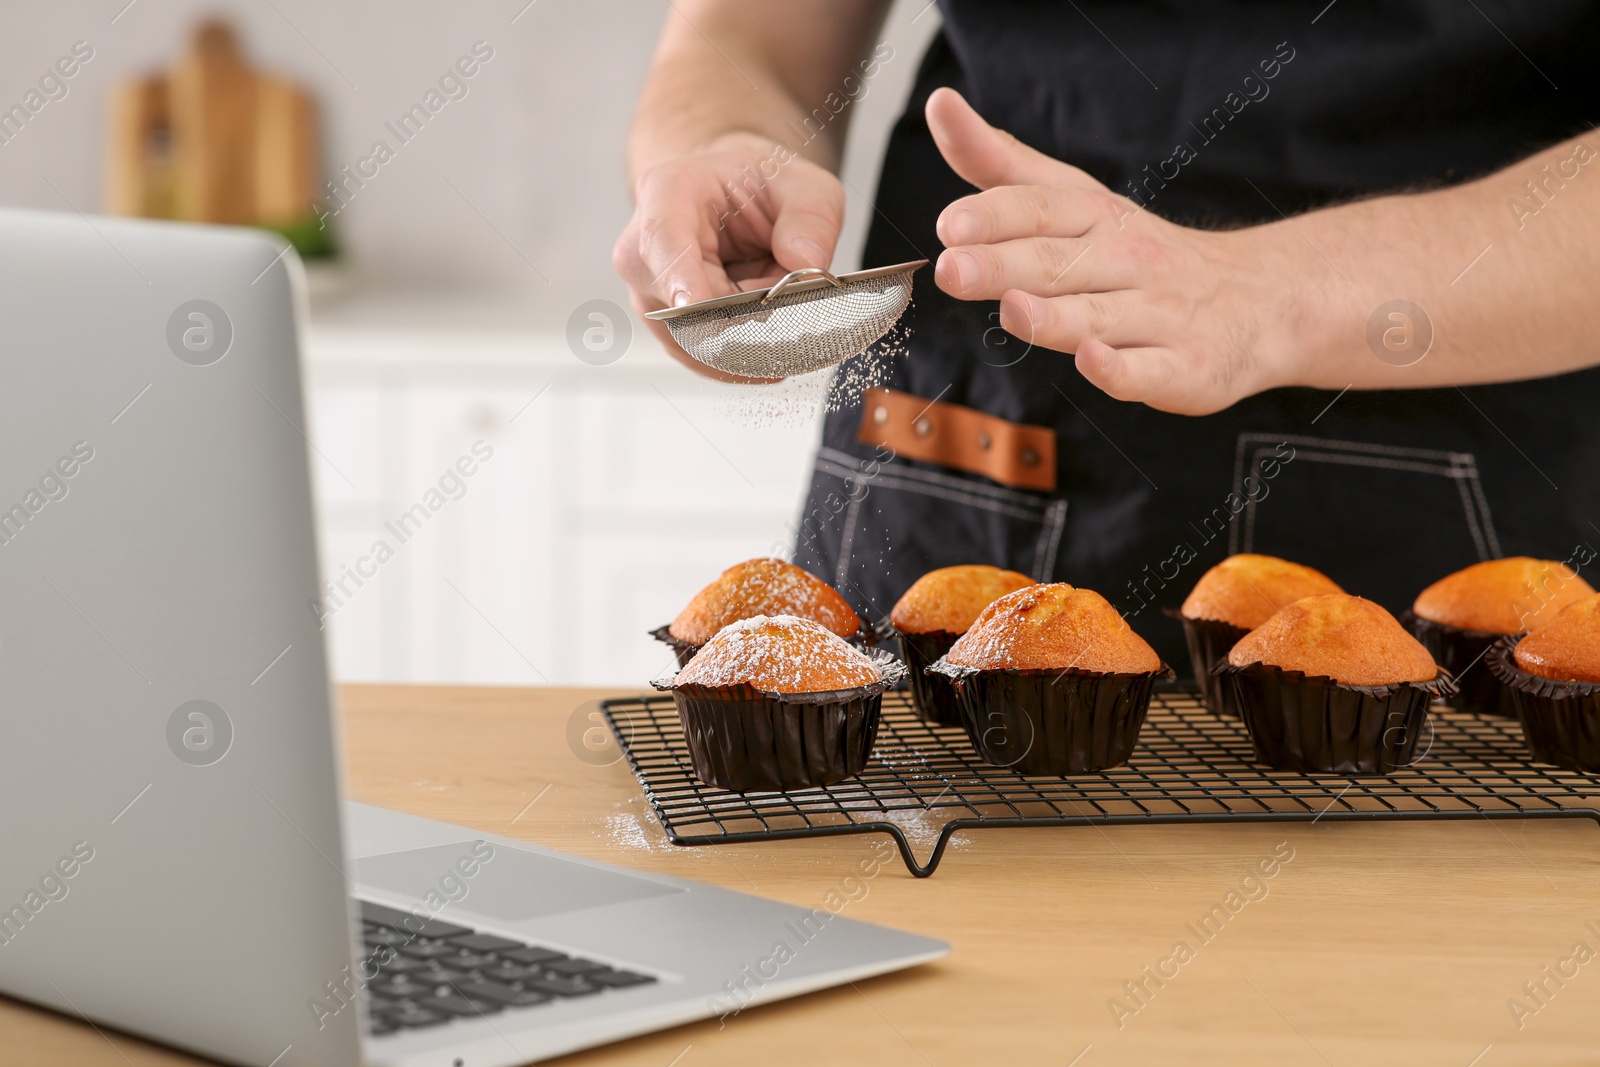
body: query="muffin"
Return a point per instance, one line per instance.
(757, 587)
(1462, 615)
(938, 608)
(780, 702)
(1229, 601)
(1553, 676)
(1333, 684)
(1052, 681)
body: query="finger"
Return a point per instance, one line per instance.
(1142, 375)
(988, 157)
(1043, 266)
(1014, 211)
(1120, 319)
(678, 242)
(810, 214)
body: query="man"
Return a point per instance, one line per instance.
(1327, 278)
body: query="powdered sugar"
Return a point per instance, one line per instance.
(780, 654)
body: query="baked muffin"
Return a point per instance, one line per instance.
(1229, 601)
(1553, 677)
(780, 702)
(1462, 615)
(1333, 684)
(1052, 681)
(938, 608)
(757, 587)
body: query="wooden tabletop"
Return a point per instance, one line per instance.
(1367, 944)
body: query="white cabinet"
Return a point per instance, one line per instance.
(590, 516)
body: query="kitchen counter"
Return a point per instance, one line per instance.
(1336, 944)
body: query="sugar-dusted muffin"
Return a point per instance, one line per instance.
(1567, 647)
(1553, 678)
(1248, 589)
(1333, 684)
(779, 654)
(1502, 596)
(1346, 638)
(1459, 617)
(951, 598)
(1229, 601)
(1052, 681)
(757, 587)
(1054, 627)
(780, 702)
(937, 609)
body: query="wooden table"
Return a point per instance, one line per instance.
(1400, 943)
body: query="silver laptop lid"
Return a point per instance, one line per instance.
(170, 855)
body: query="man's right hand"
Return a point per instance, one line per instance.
(735, 215)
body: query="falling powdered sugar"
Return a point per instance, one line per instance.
(800, 400)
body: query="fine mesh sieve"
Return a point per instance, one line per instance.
(809, 320)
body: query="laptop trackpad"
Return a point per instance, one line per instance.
(510, 885)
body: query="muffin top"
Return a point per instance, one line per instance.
(779, 654)
(1567, 647)
(1502, 596)
(763, 587)
(1247, 589)
(950, 598)
(1346, 638)
(1053, 627)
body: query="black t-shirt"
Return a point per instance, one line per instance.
(1222, 114)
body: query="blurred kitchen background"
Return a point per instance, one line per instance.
(617, 486)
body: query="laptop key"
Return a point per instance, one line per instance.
(406, 965)
(456, 1004)
(467, 961)
(560, 987)
(427, 950)
(377, 1026)
(613, 978)
(383, 935)
(407, 923)
(531, 954)
(574, 966)
(506, 971)
(410, 1016)
(511, 998)
(486, 942)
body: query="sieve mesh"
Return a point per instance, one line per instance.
(785, 331)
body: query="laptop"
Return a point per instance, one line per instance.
(176, 860)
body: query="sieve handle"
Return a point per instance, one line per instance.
(801, 275)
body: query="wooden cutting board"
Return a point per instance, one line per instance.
(212, 140)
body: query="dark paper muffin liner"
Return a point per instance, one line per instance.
(1055, 722)
(1210, 641)
(1464, 653)
(1313, 724)
(682, 649)
(1560, 720)
(746, 740)
(864, 638)
(933, 695)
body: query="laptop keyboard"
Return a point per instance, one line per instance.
(435, 971)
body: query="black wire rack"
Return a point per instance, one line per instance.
(1190, 766)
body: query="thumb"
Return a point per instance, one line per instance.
(987, 157)
(809, 208)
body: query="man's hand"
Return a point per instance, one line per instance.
(737, 215)
(1191, 321)
(1184, 320)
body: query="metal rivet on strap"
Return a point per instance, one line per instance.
(923, 426)
(1029, 457)
(880, 414)
(984, 441)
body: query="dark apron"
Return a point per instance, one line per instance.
(1384, 491)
